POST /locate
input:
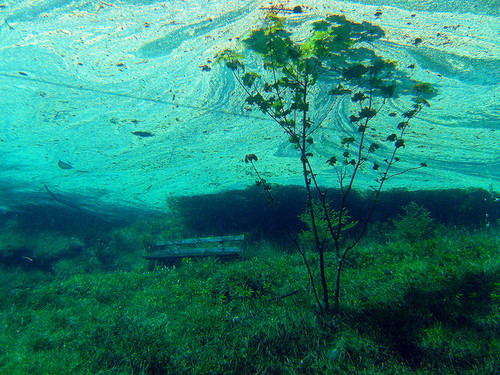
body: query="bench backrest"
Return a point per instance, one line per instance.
(203, 244)
(201, 240)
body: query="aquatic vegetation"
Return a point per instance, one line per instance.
(334, 55)
(32, 250)
(403, 313)
(414, 224)
(321, 222)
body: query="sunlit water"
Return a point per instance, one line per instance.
(79, 78)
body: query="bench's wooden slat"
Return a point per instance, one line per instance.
(174, 256)
(206, 251)
(175, 250)
(183, 249)
(190, 241)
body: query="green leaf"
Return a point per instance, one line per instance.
(258, 100)
(275, 21)
(295, 139)
(316, 45)
(367, 112)
(339, 90)
(392, 137)
(287, 123)
(373, 147)
(376, 166)
(400, 143)
(387, 91)
(338, 19)
(231, 58)
(402, 125)
(358, 97)
(300, 106)
(277, 105)
(321, 25)
(420, 100)
(249, 78)
(424, 88)
(332, 161)
(354, 118)
(255, 99)
(379, 64)
(234, 64)
(355, 72)
(347, 140)
(410, 114)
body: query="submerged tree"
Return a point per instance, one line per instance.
(338, 53)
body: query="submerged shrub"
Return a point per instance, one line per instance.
(415, 224)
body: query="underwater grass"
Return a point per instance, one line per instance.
(429, 305)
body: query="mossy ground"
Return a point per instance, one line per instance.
(425, 304)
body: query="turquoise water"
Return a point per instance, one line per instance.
(118, 131)
(79, 79)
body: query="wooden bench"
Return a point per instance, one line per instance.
(173, 251)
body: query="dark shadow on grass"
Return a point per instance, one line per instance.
(459, 304)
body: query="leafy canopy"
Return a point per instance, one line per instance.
(338, 51)
(338, 56)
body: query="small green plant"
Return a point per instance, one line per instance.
(307, 235)
(414, 224)
(335, 58)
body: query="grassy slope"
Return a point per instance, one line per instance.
(421, 305)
